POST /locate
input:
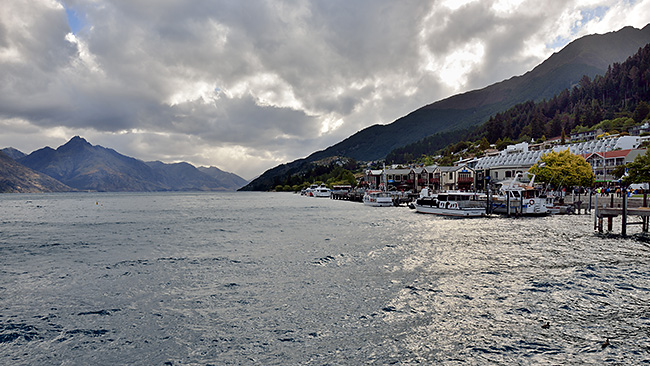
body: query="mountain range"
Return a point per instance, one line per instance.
(590, 55)
(79, 165)
(17, 178)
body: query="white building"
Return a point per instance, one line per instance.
(518, 158)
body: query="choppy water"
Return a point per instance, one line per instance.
(279, 279)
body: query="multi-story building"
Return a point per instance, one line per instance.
(638, 130)
(518, 158)
(604, 163)
(603, 155)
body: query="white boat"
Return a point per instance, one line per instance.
(377, 198)
(309, 191)
(321, 191)
(523, 199)
(452, 204)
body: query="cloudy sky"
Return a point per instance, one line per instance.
(247, 85)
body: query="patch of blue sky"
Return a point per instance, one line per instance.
(589, 15)
(558, 42)
(586, 16)
(76, 21)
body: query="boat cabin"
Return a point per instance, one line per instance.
(460, 196)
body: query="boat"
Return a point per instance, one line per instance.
(452, 204)
(523, 199)
(321, 191)
(309, 191)
(377, 198)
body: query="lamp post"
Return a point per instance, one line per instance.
(624, 209)
(604, 166)
(488, 208)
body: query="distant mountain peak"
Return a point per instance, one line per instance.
(84, 166)
(17, 178)
(78, 139)
(13, 153)
(75, 143)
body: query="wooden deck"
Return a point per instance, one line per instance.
(621, 206)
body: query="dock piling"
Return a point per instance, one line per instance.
(624, 214)
(610, 223)
(595, 210)
(600, 225)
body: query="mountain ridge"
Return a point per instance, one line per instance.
(589, 55)
(84, 166)
(17, 178)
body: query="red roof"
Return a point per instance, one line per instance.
(609, 154)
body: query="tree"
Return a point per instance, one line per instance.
(641, 112)
(638, 171)
(502, 144)
(484, 145)
(563, 169)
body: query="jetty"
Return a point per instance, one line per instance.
(611, 207)
(356, 195)
(633, 210)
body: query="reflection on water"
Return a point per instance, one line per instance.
(259, 278)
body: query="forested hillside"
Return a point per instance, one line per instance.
(443, 120)
(614, 102)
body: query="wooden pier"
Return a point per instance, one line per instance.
(354, 195)
(621, 206)
(357, 196)
(606, 207)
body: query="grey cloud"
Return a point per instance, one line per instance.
(280, 68)
(241, 121)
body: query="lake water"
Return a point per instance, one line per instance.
(280, 279)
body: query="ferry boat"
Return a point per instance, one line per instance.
(452, 204)
(523, 199)
(377, 198)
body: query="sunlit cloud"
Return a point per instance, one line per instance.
(247, 85)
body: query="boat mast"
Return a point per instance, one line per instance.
(385, 180)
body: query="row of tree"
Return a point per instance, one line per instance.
(333, 173)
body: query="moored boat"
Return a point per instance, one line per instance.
(309, 191)
(452, 204)
(377, 198)
(522, 198)
(321, 191)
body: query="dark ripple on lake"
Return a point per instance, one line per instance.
(279, 279)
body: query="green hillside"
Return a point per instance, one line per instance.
(589, 55)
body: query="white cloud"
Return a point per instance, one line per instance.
(246, 85)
